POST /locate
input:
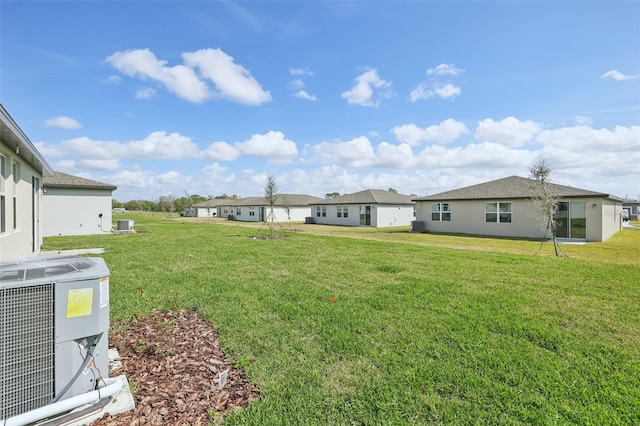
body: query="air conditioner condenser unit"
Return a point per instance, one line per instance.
(54, 322)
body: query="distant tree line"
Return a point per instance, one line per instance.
(168, 203)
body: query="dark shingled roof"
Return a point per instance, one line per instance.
(280, 200)
(509, 188)
(63, 180)
(369, 196)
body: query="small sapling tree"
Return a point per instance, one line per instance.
(545, 200)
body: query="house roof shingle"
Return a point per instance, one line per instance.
(63, 180)
(369, 196)
(511, 187)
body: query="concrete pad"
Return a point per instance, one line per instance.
(68, 253)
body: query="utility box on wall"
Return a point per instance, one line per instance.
(54, 321)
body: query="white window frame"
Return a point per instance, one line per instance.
(345, 212)
(442, 212)
(500, 214)
(339, 211)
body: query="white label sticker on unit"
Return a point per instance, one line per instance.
(104, 292)
(79, 302)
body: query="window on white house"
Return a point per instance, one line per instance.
(339, 211)
(16, 177)
(317, 211)
(3, 200)
(497, 212)
(441, 212)
(345, 211)
(324, 211)
(238, 211)
(252, 211)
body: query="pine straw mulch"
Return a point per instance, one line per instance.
(173, 361)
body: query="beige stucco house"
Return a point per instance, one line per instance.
(76, 206)
(22, 168)
(371, 207)
(504, 207)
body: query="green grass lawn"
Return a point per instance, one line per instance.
(424, 329)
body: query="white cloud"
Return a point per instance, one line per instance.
(357, 152)
(145, 93)
(296, 84)
(584, 139)
(368, 86)
(156, 146)
(301, 71)
(233, 81)
(445, 69)
(63, 122)
(582, 120)
(302, 94)
(162, 146)
(178, 79)
(447, 91)
(444, 132)
(618, 76)
(222, 151)
(482, 155)
(423, 91)
(435, 87)
(273, 145)
(509, 131)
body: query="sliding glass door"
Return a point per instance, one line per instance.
(571, 220)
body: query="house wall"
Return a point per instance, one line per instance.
(381, 215)
(18, 241)
(393, 216)
(611, 220)
(71, 211)
(468, 217)
(205, 211)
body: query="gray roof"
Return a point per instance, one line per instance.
(63, 180)
(512, 187)
(280, 200)
(13, 136)
(215, 202)
(369, 196)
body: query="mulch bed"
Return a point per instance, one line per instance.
(174, 360)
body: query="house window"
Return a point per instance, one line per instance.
(339, 211)
(317, 211)
(441, 212)
(345, 212)
(324, 211)
(16, 178)
(238, 211)
(3, 216)
(3, 207)
(497, 212)
(252, 211)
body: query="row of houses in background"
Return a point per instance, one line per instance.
(36, 201)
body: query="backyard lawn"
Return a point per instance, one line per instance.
(397, 328)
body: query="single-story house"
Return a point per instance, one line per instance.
(505, 207)
(76, 206)
(632, 207)
(371, 207)
(22, 168)
(286, 208)
(215, 207)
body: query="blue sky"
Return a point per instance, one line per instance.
(175, 97)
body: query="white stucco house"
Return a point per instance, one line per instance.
(22, 169)
(505, 207)
(287, 208)
(76, 206)
(371, 207)
(210, 208)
